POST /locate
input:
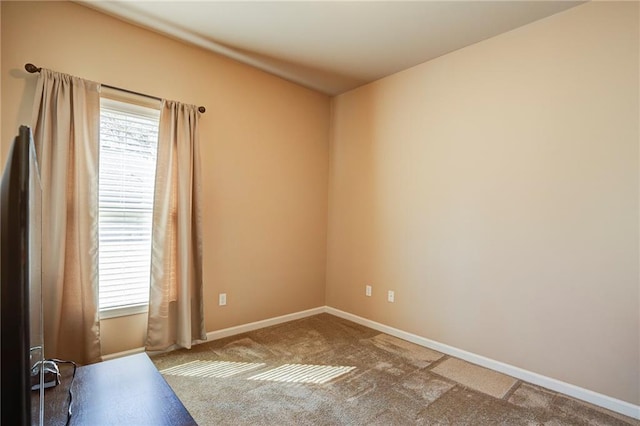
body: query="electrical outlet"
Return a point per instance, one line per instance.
(222, 299)
(367, 291)
(391, 296)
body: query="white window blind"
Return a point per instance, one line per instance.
(128, 148)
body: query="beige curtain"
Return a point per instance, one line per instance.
(66, 123)
(176, 316)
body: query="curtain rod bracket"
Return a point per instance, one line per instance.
(33, 69)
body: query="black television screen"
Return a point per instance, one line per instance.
(20, 292)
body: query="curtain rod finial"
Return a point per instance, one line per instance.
(32, 68)
(202, 109)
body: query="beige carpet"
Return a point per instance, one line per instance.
(324, 370)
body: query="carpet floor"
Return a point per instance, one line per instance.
(324, 370)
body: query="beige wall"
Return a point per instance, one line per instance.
(495, 189)
(264, 149)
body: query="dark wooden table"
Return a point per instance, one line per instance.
(122, 391)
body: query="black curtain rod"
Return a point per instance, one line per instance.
(33, 69)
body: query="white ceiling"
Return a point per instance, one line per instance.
(331, 46)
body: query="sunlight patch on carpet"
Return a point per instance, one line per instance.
(210, 368)
(303, 373)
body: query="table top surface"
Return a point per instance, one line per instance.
(127, 390)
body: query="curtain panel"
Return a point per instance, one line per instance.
(176, 315)
(65, 123)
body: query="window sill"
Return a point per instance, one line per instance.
(124, 311)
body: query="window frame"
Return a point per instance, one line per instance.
(134, 104)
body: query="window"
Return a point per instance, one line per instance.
(127, 168)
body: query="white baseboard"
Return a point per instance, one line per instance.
(123, 353)
(577, 392)
(232, 331)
